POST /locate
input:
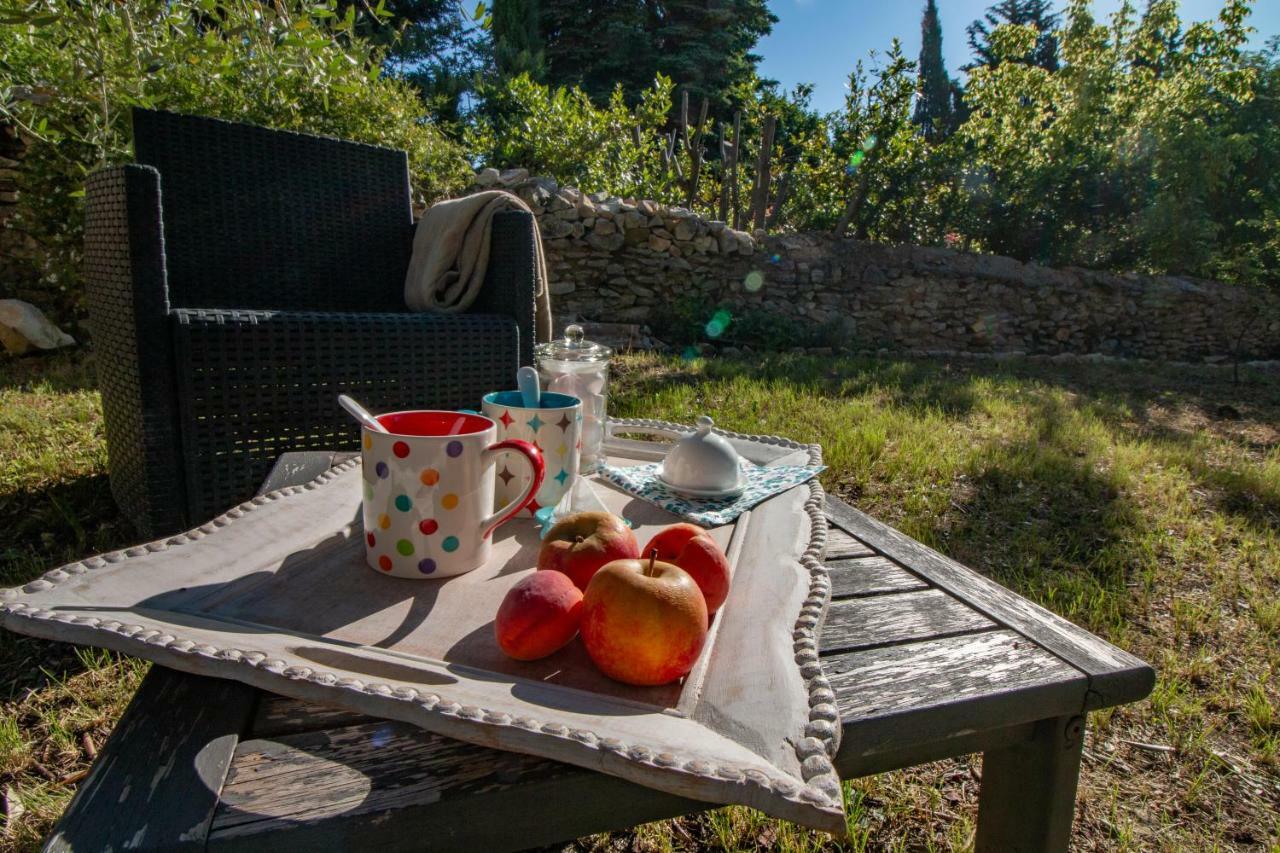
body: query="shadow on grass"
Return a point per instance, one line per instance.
(46, 527)
(1118, 390)
(1039, 517)
(61, 371)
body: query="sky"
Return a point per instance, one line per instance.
(818, 41)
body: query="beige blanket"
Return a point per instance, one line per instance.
(451, 255)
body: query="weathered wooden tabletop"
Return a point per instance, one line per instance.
(928, 659)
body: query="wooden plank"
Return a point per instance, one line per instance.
(892, 698)
(841, 545)
(1115, 676)
(857, 761)
(860, 623)
(280, 715)
(1029, 790)
(870, 576)
(393, 786)
(155, 784)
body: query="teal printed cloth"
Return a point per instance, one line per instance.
(762, 482)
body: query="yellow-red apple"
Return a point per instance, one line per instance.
(579, 544)
(538, 616)
(643, 622)
(692, 549)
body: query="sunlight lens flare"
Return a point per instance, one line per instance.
(718, 323)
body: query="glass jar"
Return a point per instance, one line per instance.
(571, 365)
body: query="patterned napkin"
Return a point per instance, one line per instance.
(762, 482)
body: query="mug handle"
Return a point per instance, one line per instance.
(534, 457)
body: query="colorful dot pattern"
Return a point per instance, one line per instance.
(430, 494)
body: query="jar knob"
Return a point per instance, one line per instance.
(704, 424)
(573, 334)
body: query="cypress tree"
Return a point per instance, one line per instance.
(934, 112)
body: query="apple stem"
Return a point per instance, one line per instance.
(653, 556)
(578, 540)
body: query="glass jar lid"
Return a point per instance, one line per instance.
(572, 347)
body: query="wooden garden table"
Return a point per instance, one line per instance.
(928, 659)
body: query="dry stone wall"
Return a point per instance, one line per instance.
(625, 260)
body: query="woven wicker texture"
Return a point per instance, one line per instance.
(125, 289)
(258, 218)
(234, 367)
(201, 387)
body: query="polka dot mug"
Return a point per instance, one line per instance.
(428, 492)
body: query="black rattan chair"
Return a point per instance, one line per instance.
(239, 278)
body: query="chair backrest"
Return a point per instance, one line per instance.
(258, 218)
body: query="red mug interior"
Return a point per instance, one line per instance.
(433, 423)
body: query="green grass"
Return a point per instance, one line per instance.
(1142, 503)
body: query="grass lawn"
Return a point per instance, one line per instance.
(1142, 503)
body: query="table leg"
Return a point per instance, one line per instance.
(1029, 790)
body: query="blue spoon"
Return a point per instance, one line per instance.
(530, 391)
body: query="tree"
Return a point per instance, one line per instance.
(934, 112)
(705, 47)
(1036, 13)
(1117, 163)
(425, 42)
(597, 46)
(516, 39)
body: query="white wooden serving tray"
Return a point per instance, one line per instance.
(275, 593)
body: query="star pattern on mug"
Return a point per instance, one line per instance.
(564, 422)
(506, 475)
(506, 419)
(535, 423)
(562, 476)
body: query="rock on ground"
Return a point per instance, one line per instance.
(23, 328)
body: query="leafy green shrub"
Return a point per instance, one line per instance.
(560, 133)
(70, 72)
(1141, 151)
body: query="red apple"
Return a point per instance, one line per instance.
(579, 544)
(538, 616)
(692, 549)
(643, 622)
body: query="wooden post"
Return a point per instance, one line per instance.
(784, 189)
(722, 206)
(1029, 790)
(854, 205)
(694, 146)
(760, 193)
(733, 170)
(670, 162)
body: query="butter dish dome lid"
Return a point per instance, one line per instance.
(703, 464)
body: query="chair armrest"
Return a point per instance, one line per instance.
(127, 294)
(510, 283)
(255, 384)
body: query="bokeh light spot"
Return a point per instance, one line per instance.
(754, 281)
(718, 323)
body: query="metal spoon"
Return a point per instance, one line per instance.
(360, 413)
